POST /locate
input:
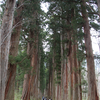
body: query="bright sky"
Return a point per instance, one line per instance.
(1, 1)
(0, 4)
(95, 42)
(95, 46)
(44, 6)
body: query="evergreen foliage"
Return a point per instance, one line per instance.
(63, 20)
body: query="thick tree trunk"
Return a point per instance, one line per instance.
(34, 87)
(92, 88)
(79, 82)
(11, 73)
(38, 82)
(69, 78)
(53, 77)
(6, 29)
(65, 81)
(65, 75)
(33, 53)
(62, 66)
(69, 64)
(26, 85)
(34, 63)
(75, 76)
(9, 92)
(49, 85)
(72, 75)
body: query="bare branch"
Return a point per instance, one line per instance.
(19, 23)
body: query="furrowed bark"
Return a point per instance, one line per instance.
(26, 83)
(70, 72)
(65, 71)
(6, 29)
(34, 62)
(75, 75)
(53, 77)
(49, 85)
(92, 88)
(33, 53)
(62, 65)
(11, 73)
(79, 82)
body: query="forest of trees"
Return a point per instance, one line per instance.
(49, 53)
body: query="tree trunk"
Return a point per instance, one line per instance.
(79, 82)
(65, 75)
(53, 77)
(26, 83)
(75, 75)
(69, 64)
(62, 66)
(69, 78)
(92, 88)
(49, 85)
(34, 62)
(6, 29)
(11, 73)
(33, 53)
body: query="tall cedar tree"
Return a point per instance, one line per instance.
(92, 87)
(9, 93)
(30, 85)
(6, 30)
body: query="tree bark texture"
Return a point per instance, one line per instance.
(34, 63)
(75, 75)
(50, 75)
(79, 82)
(11, 73)
(6, 29)
(69, 78)
(62, 66)
(65, 71)
(33, 53)
(26, 87)
(53, 77)
(69, 67)
(92, 88)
